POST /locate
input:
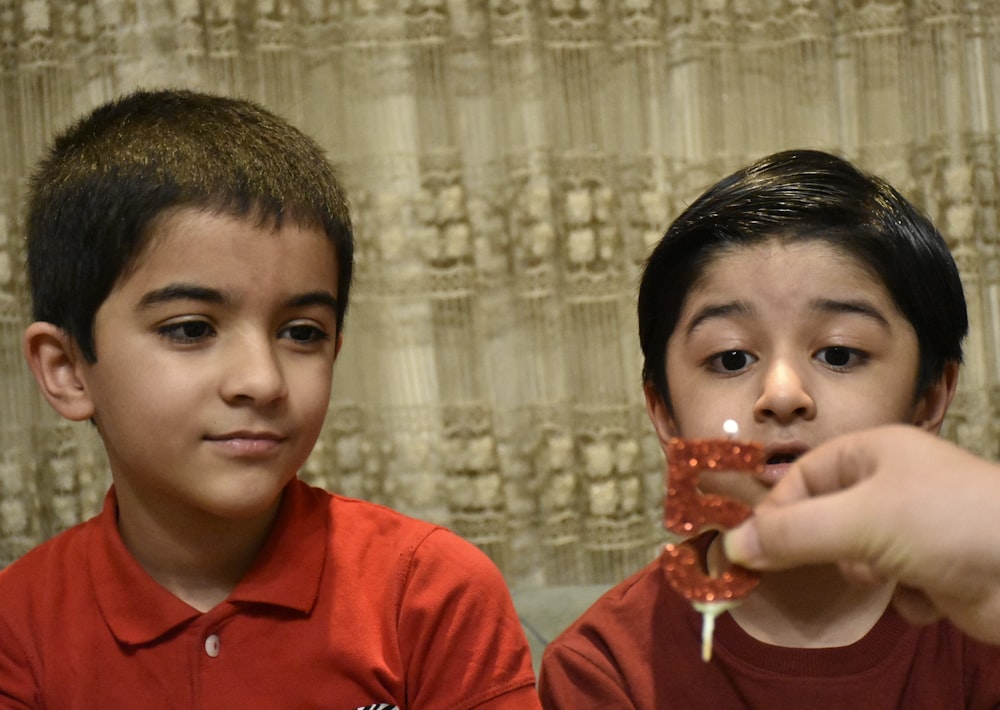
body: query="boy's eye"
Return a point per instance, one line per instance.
(304, 333)
(731, 361)
(841, 357)
(187, 331)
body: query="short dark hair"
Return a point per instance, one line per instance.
(800, 195)
(104, 181)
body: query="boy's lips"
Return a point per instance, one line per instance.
(772, 473)
(778, 459)
(248, 443)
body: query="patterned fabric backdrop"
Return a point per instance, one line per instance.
(510, 162)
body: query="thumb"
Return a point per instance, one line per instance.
(813, 531)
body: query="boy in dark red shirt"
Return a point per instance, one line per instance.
(802, 299)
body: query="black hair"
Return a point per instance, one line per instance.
(105, 180)
(801, 195)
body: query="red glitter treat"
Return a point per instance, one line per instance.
(688, 512)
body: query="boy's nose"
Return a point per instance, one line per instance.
(253, 373)
(784, 395)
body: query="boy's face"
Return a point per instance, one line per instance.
(214, 363)
(797, 343)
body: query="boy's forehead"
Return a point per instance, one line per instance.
(748, 258)
(182, 236)
(784, 273)
(204, 218)
(196, 223)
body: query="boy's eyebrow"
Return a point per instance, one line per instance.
(720, 310)
(315, 298)
(180, 292)
(191, 292)
(820, 305)
(859, 307)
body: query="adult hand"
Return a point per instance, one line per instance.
(890, 503)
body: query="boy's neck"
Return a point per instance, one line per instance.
(198, 559)
(811, 607)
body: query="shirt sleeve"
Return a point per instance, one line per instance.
(460, 636)
(569, 679)
(18, 685)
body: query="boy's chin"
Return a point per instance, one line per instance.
(245, 505)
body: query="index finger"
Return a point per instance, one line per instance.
(837, 464)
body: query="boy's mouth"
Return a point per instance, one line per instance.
(248, 443)
(779, 460)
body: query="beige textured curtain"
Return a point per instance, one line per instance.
(510, 162)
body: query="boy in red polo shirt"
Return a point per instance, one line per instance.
(190, 259)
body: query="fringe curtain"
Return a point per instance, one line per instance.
(510, 163)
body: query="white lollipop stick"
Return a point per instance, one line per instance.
(710, 610)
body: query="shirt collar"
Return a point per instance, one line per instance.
(287, 571)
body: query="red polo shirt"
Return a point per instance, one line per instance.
(349, 605)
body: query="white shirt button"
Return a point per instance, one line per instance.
(212, 645)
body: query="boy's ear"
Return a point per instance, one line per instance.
(55, 361)
(663, 421)
(934, 402)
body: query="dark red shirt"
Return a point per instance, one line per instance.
(639, 646)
